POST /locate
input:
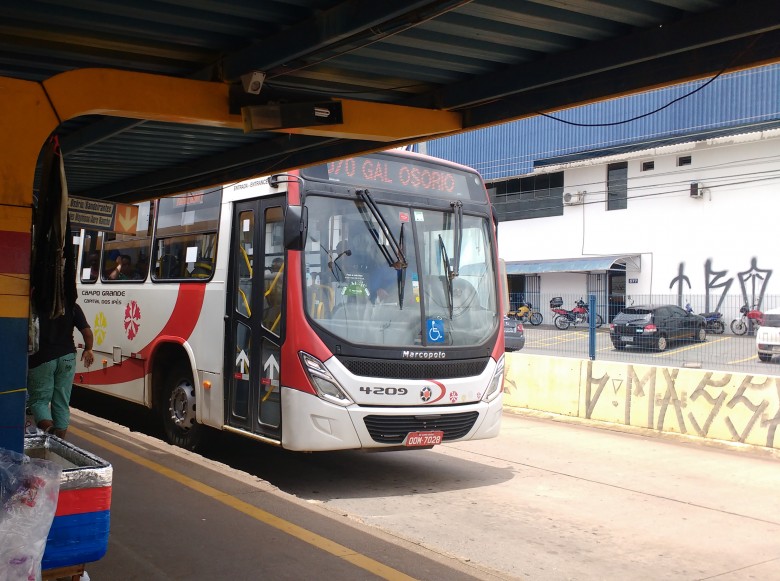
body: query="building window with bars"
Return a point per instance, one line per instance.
(617, 186)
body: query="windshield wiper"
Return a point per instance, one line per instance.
(332, 263)
(448, 273)
(399, 260)
(457, 209)
(401, 272)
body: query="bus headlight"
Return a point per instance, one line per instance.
(324, 383)
(496, 382)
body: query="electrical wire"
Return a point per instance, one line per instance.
(670, 103)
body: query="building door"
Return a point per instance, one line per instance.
(533, 286)
(254, 318)
(597, 285)
(617, 293)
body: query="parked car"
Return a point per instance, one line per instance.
(655, 327)
(768, 335)
(514, 335)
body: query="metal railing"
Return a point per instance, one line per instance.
(729, 345)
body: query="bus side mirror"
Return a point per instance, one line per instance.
(296, 220)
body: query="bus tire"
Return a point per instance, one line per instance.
(178, 409)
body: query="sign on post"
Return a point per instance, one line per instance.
(101, 215)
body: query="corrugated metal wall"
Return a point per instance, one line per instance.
(749, 96)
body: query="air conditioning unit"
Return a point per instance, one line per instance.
(696, 190)
(570, 199)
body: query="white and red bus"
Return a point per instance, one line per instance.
(354, 304)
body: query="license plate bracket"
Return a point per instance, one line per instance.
(429, 438)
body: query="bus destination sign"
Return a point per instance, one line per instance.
(407, 175)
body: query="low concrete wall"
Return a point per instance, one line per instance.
(733, 407)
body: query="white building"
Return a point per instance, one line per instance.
(696, 221)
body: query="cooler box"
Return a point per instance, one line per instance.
(79, 533)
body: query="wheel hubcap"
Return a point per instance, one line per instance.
(182, 405)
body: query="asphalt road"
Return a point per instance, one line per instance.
(546, 500)
(725, 352)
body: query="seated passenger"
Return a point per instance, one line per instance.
(124, 269)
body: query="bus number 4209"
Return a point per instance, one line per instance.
(384, 390)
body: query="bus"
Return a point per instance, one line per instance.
(354, 304)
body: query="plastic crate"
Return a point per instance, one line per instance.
(79, 533)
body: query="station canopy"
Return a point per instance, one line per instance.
(616, 263)
(325, 79)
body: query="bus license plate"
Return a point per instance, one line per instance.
(423, 438)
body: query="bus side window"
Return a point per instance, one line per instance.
(243, 262)
(273, 268)
(90, 256)
(185, 237)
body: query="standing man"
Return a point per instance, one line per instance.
(51, 369)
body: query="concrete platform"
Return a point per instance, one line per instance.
(176, 515)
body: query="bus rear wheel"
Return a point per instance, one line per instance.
(178, 410)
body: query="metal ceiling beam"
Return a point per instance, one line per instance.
(349, 24)
(707, 30)
(143, 96)
(140, 96)
(384, 122)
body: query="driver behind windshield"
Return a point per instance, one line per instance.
(368, 268)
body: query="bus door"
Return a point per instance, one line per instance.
(254, 315)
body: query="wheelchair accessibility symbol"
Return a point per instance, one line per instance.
(435, 330)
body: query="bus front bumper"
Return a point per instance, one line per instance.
(310, 424)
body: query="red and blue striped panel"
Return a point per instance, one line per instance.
(79, 533)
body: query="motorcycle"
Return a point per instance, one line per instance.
(525, 314)
(748, 315)
(712, 321)
(577, 316)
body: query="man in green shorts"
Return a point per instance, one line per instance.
(51, 369)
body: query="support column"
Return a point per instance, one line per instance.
(26, 120)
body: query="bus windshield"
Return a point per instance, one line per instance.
(359, 289)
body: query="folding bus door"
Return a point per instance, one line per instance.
(254, 317)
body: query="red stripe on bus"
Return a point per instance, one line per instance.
(179, 327)
(81, 500)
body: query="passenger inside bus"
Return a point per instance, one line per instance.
(273, 294)
(124, 270)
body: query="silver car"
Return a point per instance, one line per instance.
(514, 334)
(768, 335)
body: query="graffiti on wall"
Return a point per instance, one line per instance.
(753, 284)
(737, 407)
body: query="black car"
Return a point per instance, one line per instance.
(655, 326)
(514, 335)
